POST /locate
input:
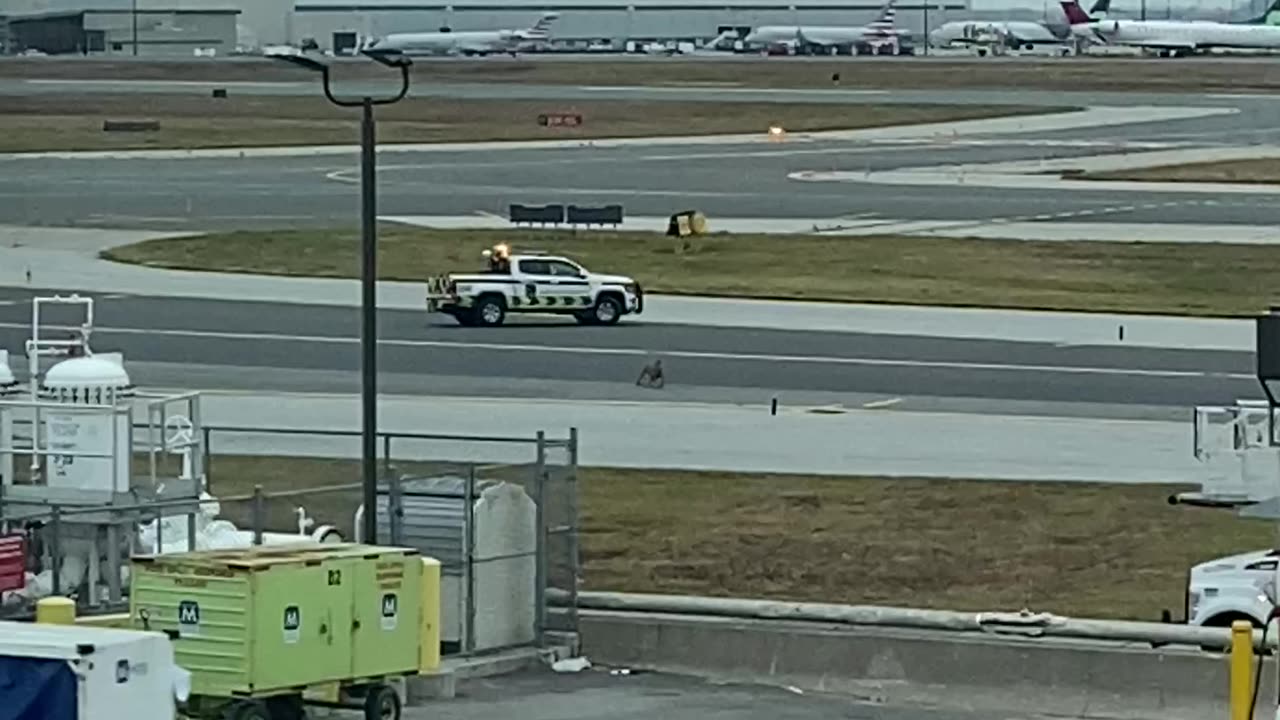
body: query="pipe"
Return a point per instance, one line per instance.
(1024, 624)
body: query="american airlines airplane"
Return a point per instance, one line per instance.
(1172, 38)
(471, 42)
(881, 32)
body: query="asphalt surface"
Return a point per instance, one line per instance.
(721, 180)
(596, 695)
(256, 346)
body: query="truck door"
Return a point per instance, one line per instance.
(553, 284)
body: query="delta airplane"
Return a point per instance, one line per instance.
(1172, 38)
(471, 42)
(1024, 34)
(879, 33)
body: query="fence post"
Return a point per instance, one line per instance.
(386, 454)
(575, 549)
(207, 462)
(114, 561)
(259, 514)
(395, 508)
(160, 530)
(55, 549)
(469, 560)
(540, 497)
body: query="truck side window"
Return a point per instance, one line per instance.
(534, 267)
(562, 269)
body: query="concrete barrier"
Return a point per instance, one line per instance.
(1040, 675)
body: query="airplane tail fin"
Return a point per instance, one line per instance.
(542, 28)
(884, 25)
(1075, 14)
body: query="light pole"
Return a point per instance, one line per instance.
(368, 268)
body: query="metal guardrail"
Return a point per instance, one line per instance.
(1025, 625)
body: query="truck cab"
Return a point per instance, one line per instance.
(532, 282)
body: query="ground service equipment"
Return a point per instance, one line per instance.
(266, 630)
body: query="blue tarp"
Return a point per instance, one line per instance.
(36, 689)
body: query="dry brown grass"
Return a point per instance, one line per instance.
(1261, 171)
(1174, 278)
(1092, 550)
(65, 122)
(1083, 74)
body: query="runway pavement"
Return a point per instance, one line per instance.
(271, 346)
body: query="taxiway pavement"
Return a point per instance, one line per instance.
(734, 178)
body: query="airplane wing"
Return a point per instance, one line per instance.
(476, 47)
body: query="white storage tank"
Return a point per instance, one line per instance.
(8, 383)
(73, 672)
(88, 380)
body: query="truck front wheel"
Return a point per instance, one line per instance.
(489, 311)
(607, 310)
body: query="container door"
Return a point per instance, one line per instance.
(303, 620)
(387, 593)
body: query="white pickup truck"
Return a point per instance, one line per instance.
(1236, 587)
(533, 283)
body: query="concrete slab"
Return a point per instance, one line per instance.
(727, 438)
(1004, 677)
(597, 695)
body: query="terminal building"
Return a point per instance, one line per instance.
(156, 32)
(181, 27)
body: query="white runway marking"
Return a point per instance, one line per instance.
(642, 352)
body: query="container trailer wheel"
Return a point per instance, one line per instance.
(381, 702)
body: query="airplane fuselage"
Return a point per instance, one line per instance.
(814, 35)
(1186, 35)
(445, 43)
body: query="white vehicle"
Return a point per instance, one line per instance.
(472, 42)
(533, 283)
(1236, 587)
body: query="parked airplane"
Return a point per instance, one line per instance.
(879, 34)
(1017, 34)
(1172, 38)
(471, 42)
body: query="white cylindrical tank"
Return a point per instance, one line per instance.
(8, 383)
(91, 380)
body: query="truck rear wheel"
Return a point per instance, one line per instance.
(489, 311)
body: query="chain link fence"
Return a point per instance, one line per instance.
(499, 513)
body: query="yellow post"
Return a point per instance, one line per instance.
(429, 639)
(1241, 669)
(56, 611)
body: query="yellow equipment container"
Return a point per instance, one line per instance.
(284, 619)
